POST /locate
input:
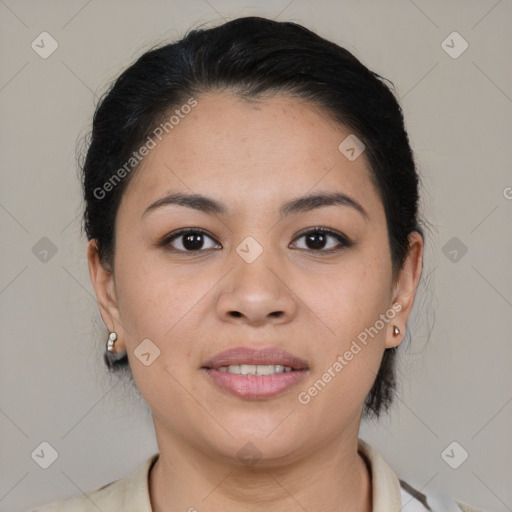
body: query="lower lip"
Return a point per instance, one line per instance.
(255, 387)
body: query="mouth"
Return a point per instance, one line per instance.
(263, 361)
(255, 369)
(255, 374)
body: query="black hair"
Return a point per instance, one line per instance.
(251, 57)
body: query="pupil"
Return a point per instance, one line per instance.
(317, 240)
(193, 241)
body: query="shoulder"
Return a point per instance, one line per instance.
(102, 498)
(415, 501)
(130, 494)
(392, 493)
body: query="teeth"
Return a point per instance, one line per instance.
(255, 369)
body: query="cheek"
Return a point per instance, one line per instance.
(351, 303)
(349, 357)
(149, 295)
(154, 305)
(350, 298)
(160, 304)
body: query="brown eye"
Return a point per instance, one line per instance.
(190, 240)
(323, 240)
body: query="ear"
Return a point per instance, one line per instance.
(102, 279)
(405, 289)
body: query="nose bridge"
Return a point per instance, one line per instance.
(255, 289)
(253, 262)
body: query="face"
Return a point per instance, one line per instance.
(255, 272)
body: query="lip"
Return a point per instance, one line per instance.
(248, 355)
(256, 387)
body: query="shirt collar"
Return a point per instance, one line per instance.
(385, 485)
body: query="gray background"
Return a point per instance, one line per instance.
(456, 379)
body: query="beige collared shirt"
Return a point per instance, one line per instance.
(131, 494)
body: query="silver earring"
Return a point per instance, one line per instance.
(396, 330)
(112, 337)
(111, 355)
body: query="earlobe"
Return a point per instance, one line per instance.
(102, 279)
(405, 290)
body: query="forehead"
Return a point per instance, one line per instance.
(250, 151)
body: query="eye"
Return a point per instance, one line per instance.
(189, 240)
(324, 240)
(321, 240)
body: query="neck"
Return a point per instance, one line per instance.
(331, 478)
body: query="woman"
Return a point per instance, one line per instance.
(255, 249)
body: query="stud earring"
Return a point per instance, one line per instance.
(396, 330)
(111, 355)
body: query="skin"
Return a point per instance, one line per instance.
(253, 157)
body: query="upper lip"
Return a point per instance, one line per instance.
(248, 355)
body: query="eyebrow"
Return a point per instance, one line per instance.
(294, 206)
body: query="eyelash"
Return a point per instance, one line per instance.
(342, 239)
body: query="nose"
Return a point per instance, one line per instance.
(256, 294)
